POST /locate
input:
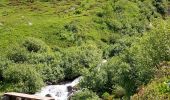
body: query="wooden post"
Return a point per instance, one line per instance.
(6, 97)
(18, 98)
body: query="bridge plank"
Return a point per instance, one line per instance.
(27, 96)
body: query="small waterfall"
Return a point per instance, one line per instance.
(64, 91)
(59, 92)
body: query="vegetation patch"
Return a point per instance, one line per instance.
(48, 41)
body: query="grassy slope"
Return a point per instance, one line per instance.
(158, 87)
(47, 22)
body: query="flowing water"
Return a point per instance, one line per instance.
(64, 91)
(59, 92)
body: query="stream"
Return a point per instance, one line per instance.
(64, 91)
(59, 92)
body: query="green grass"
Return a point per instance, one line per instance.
(113, 26)
(48, 21)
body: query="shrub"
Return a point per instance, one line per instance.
(24, 77)
(77, 59)
(158, 87)
(72, 27)
(17, 56)
(53, 73)
(106, 77)
(85, 95)
(43, 58)
(4, 63)
(154, 90)
(35, 45)
(49, 65)
(119, 46)
(161, 6)
(119, 92)
(144, 56)
(78, 12)
(107, 96)
(96, 81)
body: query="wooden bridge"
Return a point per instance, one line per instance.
(21, 96)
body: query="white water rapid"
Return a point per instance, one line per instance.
(59, 92)
(64, 91)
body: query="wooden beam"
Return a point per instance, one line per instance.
(21, 96)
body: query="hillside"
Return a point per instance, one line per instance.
(66, 22)
(46, 42)
(159, 87)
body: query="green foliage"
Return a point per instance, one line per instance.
(119, 92)
(144, 56)
(130, 34)
(44, 58)
(107, 77)
(4, 63)
(85, 95)
(134, 66)
(161, 6)
(77, 59)
(119, 46)
(24, 77)
(164, 88)
(17, 56)
(107, 96)
(158, 88)
(129, 17)
(35, 45)
(53, 73)
(49, 65)
(96, 81)
(36, 59)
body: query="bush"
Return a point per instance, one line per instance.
(96, 81)
(35, 52)
(156, 89)
(107, 96)
(78, 12)
(43, 58)
(17, 56)
(143, 57)
(85, 95)
(119, 46)
(119, 92)
(24, 77)
(4, 63)
(107, 77)
(77, 59)
(49, 65)
(35, 45)
(53, 73)
(161, 6)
